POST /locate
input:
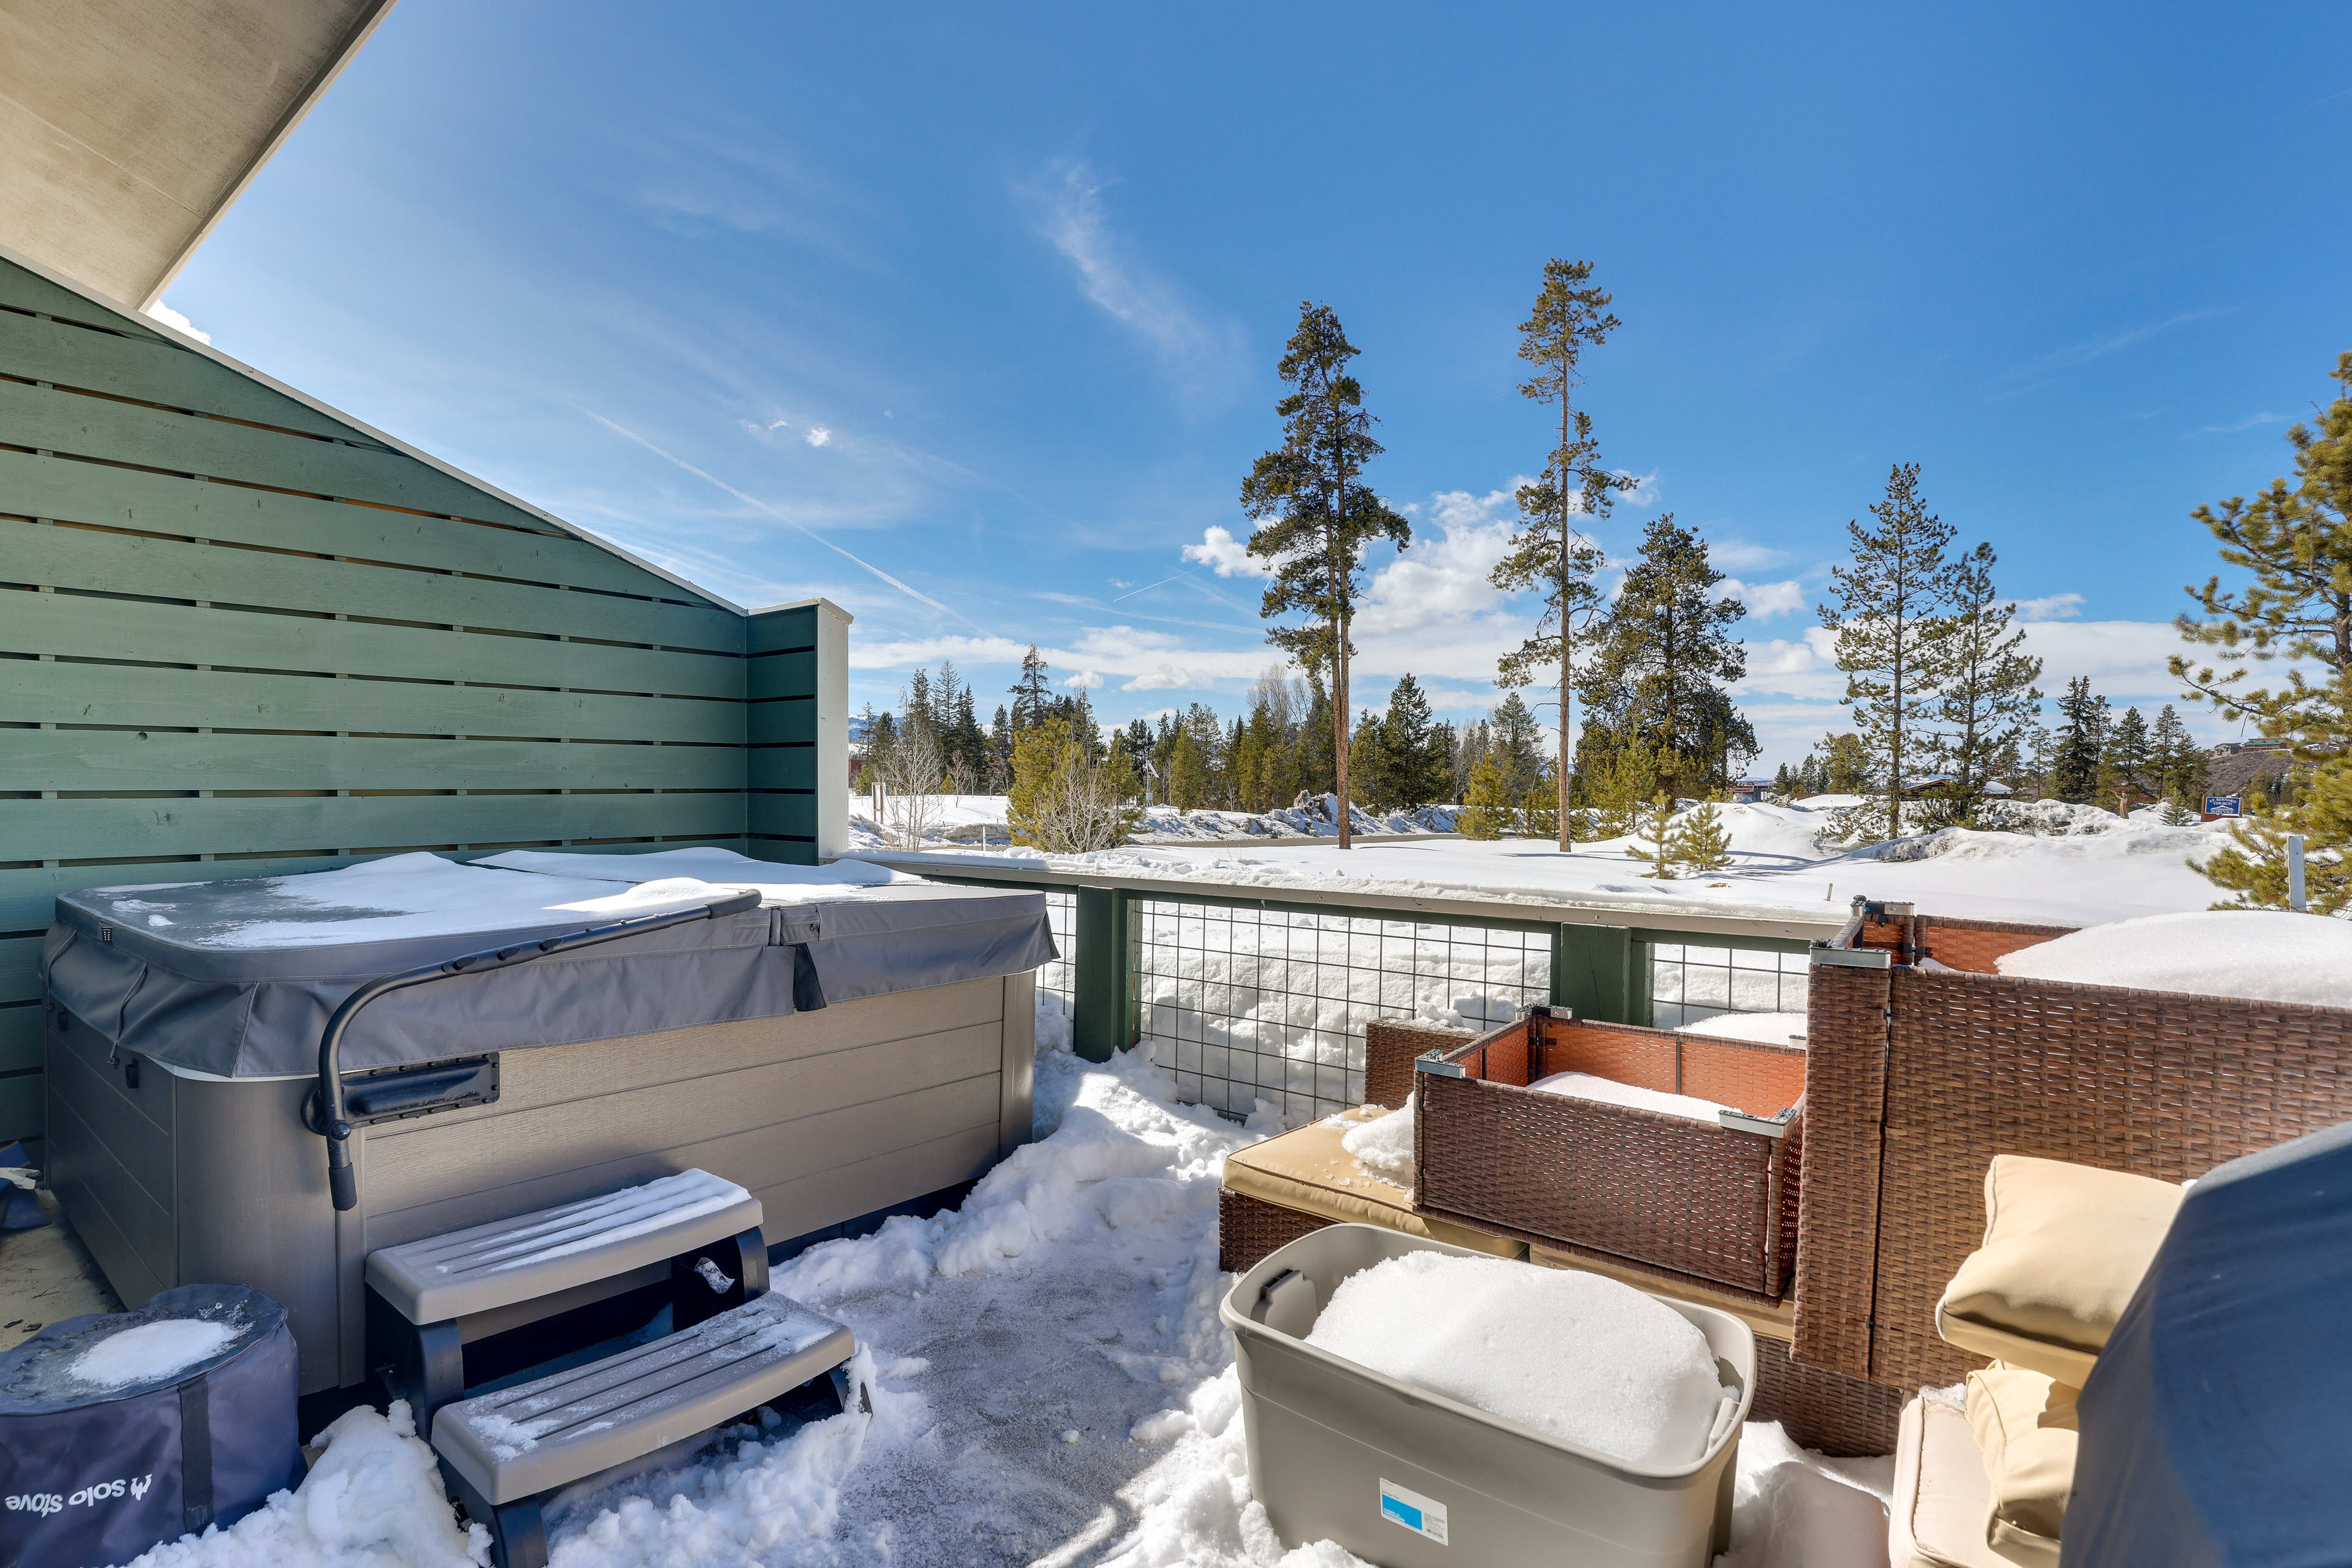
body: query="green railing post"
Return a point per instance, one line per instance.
(1595, 974)
(1102, 1019)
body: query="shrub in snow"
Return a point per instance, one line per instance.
(1699, 844)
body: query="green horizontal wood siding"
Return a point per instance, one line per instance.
(151, 369)
(776, 631)
(59, 691)
(23, 290)
(137, 760)
(20, 1107)
(151, 828)
(93, 560)
(20, 1040)
(241, 515)
(49, 419)
(76, 626)
(20, 979)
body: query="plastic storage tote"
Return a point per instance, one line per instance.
(1407, 1478)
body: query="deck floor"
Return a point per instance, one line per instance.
(45, 1276)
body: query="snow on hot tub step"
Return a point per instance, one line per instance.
(521, 1441)
(539, 1254)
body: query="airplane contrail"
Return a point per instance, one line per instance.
(781, 517)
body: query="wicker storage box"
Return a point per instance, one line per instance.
(1713, 1203)
(1926, 1062)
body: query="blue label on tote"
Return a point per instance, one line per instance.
(1422, 1516)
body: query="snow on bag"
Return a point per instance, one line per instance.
(120, 1430)
(1583, 1358)
(2264, 955)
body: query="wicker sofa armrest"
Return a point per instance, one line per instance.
(1389, 1052)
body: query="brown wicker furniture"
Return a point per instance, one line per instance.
(1919, 1074)
(1819, 1409)
(1707, 1202)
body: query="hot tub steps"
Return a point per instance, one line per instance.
(427, 1299)
(505, 1453)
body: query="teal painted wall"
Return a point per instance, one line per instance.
(240, 637)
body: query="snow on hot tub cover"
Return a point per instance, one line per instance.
(237, 978)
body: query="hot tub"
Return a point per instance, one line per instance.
(835, 1040)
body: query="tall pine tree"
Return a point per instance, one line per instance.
(1984, 695)
(1550, 552)
(1891, 602)
(1664, 662)
(2125, 762)
(1315, 516)
(2078, 744)
(2295, 539)
(1033, 694)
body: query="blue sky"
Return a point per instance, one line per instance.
(969, 316)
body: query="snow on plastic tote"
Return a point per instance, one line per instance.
(119, 1430)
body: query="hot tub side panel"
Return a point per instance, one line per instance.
(109, 1153)
(822, 1116)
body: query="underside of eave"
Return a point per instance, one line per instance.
(129, 127)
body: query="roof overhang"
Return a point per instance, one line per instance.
(128, 127)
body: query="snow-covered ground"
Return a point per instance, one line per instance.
(980, 819)
(2100, 866)
(1051, 1387)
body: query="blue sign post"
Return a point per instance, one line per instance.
(2222, 805)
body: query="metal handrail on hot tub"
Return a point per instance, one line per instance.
(343, 1180)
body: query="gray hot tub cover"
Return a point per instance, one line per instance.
(237, 978)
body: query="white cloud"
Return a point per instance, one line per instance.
(818, 435)
(2049, 607)
(1643, 490)
(1737, 555)
(1229, 556)
(165, 313)
(1441, 578)
(1764, 600)
(1086, 680)
(1199, 351)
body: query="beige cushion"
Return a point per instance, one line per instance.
(2024, 1427)
(1937, 1517)
(1308, 1170)
(2064, 1246)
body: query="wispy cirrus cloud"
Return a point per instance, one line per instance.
(1200, 352)
(2036, 372)
(2250, 422)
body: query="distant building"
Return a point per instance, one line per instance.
(1921, 787)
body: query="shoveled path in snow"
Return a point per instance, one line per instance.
(1051, 1386)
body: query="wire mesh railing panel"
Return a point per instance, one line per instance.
(1245, 1005)
(1689, 983)
(1058, 982)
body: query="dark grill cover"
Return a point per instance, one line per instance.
(91, 1476)
(2217, 1425)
